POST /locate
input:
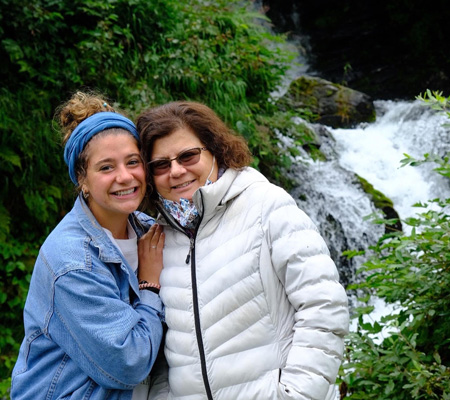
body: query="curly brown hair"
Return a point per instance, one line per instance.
(79, 107)
(72, 112)
(230, 150)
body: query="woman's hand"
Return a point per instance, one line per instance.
(150, 252)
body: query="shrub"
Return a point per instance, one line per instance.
(406, 355)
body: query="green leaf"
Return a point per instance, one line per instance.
(10, 156)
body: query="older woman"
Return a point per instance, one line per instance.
(92, 331)
(254, 306)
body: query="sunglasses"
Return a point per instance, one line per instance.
(188, 157)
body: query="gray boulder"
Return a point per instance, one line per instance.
(330, 103)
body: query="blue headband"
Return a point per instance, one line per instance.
(87, 129)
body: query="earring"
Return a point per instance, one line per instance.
(85, 194)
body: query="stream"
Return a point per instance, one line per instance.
(330, 194)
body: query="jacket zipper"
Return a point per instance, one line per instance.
(197, 321)
(198, 329)
(191, 258)
(191, 247)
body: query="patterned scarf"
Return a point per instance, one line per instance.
(185, 211)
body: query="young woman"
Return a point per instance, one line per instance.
(92, 331)
(253, 302)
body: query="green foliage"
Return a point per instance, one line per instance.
(31, 202)
(140, 53)
(435, 101)
(413, 273)
(405, 355)
(264, 140)
(143, 53)
(17, 262)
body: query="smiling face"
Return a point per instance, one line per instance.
(182, 180)
(115, 179)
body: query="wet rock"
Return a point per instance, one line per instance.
(383, 48)
(383, 203)
(331, 104)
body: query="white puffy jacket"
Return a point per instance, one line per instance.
(253, 302)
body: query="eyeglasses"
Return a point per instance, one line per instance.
(188, 157)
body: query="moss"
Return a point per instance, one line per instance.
(384, 204)
(303, 89)
(314, 152)
(332, 103)
(342, 102)
(373, 116)
(304, 85)
(379, 199)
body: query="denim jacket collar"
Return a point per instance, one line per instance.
(108, 251)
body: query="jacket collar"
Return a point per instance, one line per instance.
(209, 199)
(108, 251)
(231, 184)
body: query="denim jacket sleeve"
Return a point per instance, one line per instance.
(114, 342)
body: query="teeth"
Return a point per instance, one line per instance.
(125, 192)
(183, 185)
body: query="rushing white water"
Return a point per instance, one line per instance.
(374, 151)
(332, 196)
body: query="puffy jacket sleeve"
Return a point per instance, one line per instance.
(311, 281)
(115, 343)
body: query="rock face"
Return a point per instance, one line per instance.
(387, 49)
(332, 104)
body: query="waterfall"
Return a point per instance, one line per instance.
(374, 151)
(329, 192)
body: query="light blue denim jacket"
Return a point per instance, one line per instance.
(89, 332)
